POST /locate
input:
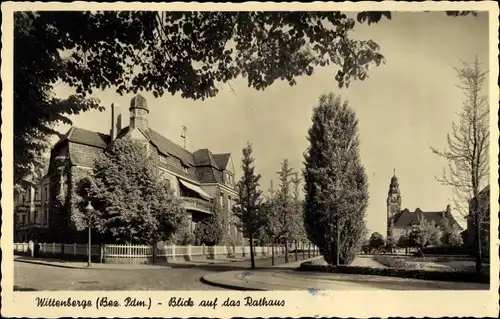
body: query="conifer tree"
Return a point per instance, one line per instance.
(135, 203)
(336, 186)
(247, 206)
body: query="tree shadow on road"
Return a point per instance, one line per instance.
(261, 264)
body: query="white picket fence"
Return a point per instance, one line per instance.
(54, 248)
(146, 251)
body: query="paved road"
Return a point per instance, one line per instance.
(359, 261)
(178, 277)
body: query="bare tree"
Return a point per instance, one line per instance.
(468, 148)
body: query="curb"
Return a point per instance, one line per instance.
(227, 286)
(49, 264)
(79, 267)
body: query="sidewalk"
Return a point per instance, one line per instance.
(82, 265)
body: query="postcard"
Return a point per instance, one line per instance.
(249, 159)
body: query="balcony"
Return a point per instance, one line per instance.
(192, 203)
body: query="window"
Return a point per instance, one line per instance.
(46, 217)
(185, 169)
(46, 194)
(229, 203)
(37, 194)
(35, 221)
(23, 219)
(163, 158)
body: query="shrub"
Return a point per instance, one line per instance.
(459, 276)
(445, 250)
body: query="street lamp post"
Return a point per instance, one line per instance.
(89, 210)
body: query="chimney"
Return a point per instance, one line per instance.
(116, 121)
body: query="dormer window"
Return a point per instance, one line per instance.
(185, 169)
(228, 178)
(163, 158)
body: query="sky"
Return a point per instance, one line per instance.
(404, 107)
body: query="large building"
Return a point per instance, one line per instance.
(31, 207)
(401, 221)
(197, 178)
(484, 217)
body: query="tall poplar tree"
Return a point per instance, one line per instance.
(336, 187)
(247, 206)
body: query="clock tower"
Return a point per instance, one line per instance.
(393, 203)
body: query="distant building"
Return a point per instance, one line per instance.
(484, 211)
(198, 178)
(400, 222)
(31, 207)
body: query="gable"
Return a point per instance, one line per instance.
(230, 165)
(137, 135)
(404, 219)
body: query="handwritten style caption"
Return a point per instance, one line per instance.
(173, 302)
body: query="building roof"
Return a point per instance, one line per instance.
(222, 160)
(83, 136)
(168, 147)
(204, 157)
(138, 101)
(406, 218)
(203, 166)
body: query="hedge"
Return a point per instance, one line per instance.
(446, 250)
(401, 273)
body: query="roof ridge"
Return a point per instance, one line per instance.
(178, 149)
(86, 130)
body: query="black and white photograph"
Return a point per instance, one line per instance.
(244, 158)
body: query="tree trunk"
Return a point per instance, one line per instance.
(308, 250)
(303, 251)
(296, 252)
(337, 249)
(155, 252)
(252, 256)
(272, 253)
(286, 252)
(477, 236)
